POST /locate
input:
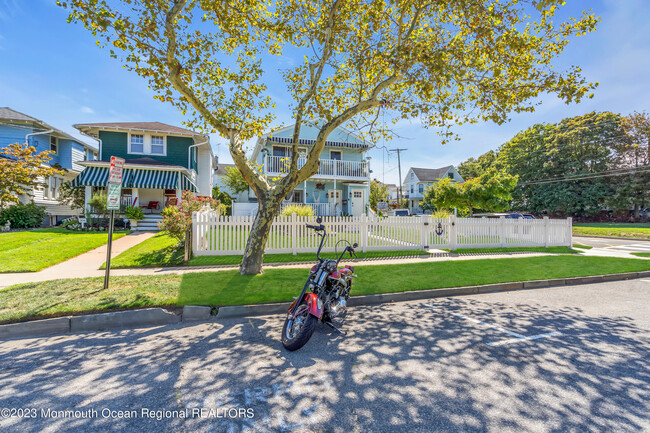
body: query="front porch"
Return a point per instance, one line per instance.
(331, 198)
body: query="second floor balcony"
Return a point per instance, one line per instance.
(329, 168)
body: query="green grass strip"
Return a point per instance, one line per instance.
(641, 254)
(550, 250)
(582, 247)
(74, 296)
(622, 230)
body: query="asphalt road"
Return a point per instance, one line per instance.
(560, 359)
(619, 245)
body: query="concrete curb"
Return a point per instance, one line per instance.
(157, 316)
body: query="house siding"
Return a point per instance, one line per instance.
(116, 144)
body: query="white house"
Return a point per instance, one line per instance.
(417, 180)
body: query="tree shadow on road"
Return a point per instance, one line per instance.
(402, 367)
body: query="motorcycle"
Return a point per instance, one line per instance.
(329, 291)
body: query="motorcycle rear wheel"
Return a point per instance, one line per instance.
(296, 332)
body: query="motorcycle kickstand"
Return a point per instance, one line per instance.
(335, 328)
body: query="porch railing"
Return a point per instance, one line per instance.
(328, 167)
(320, 209)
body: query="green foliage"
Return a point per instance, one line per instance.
(98, 204)
(72, 196)
(491, 192)
(21, 167)
(234, 180)
(476, 167)
(177, 220)
(378, 192)
(134, 213)
(224, 199)
(298, 209)
(443, 213)
(23, 216)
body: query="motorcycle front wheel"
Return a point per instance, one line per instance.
(297, 331)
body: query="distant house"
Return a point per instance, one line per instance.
(217, 180)
(69, 153)
(417, 180)
(392, 192)
(342, 184)
(161, 161)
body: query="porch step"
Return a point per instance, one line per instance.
(149, 223)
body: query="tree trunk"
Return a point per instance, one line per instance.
(254, 253)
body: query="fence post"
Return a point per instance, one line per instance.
(570, 228)
(426, 221)
(452, 232)
(546, 231)
(364, 232)
(502, 231)
(194, 232)
(293, 233)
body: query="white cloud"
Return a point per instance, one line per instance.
(87, 110)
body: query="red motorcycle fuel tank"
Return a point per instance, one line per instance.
(314, 305)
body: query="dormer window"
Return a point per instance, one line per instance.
(54, 144)
(450, 175)
(137, 143)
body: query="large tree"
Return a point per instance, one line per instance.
(448, 62)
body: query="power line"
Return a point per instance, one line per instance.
(607, 173)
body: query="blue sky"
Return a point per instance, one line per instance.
(53, 70)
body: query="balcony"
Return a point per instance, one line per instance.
(329, 168)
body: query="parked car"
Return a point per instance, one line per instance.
(399, 212)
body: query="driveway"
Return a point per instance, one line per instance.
(559, 359)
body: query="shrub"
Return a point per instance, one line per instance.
(134, 213)
(23, 216)
(177, 220)
(298, 209)
(98, 203)
(441, 214)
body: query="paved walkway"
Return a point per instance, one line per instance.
(84, 265)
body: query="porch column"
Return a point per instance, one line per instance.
(179, 190)
(135, 197)
(333, 208)
(304, 192)
(88, 196)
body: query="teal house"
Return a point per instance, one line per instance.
(342, 184)
(161, 161)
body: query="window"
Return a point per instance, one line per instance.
(335, 154)
(280, 151)
(137, 143)
(421, 188)
(157, 145)
(412, 189)
(412, 176)
(450, 175)
(358, 194)
(54, 144)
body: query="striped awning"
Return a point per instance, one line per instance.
(307, 141)
(135, 178)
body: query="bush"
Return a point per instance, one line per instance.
(23, 216)
(177, 220)
(134, 213)
(98, 203)
(441, 214)
(298, 209)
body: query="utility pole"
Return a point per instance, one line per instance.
(399, 169)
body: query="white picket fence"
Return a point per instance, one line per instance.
(221, 235)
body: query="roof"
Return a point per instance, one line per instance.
(11, 114)
(144, 126)
(221, 168)
(430, 174)
(7, 113)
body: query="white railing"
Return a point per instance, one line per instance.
(220, 235)
(320, 209)
(328, 167)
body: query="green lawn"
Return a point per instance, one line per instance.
(61, 297)
(37, 249)
(158, 251)
(641, 254)
(582, 247)
(551, 250)
(623, 230)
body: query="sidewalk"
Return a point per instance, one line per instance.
(84, 265)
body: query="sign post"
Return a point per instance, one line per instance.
(112, 204)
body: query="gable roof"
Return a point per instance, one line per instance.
(142, 126)
(11, 115)
(430, 174)
(220, 170)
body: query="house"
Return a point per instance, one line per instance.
(392, 192)
(417, 180)
(342, 184)
(161, 161)
(69, 152)
(217, 180)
